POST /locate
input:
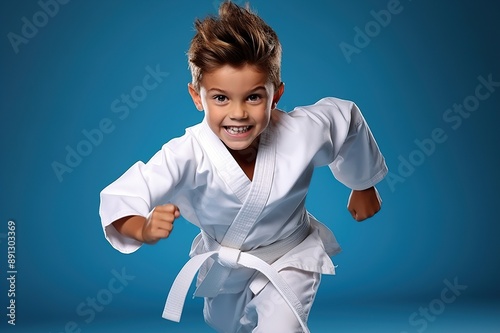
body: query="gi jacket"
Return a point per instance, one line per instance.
(198, 174)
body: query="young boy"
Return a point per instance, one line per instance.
(242, 176)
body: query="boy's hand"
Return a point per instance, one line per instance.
(364, 204)
(159, 223)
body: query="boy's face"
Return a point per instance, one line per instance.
(237, 103)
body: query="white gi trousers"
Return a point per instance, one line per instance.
(265, 312)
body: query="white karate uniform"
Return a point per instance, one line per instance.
(273, 238)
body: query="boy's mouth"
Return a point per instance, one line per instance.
(233, 130)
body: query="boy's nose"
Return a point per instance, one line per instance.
(238, 112)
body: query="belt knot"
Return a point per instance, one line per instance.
(228, 257)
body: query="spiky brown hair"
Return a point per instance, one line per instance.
(236, 37)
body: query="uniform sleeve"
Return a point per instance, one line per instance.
(350, 150)
(143, 187)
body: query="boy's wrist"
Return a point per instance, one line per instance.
(131, 226)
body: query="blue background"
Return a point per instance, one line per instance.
(438, 222)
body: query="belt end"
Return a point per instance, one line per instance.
(172, 316)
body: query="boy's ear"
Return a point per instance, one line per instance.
(195, 95)
(277, 95)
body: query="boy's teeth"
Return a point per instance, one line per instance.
(237, 129)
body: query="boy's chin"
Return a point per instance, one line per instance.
(241, 147)
(237, 147)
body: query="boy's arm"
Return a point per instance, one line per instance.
(143, 187)
(149, 230)
(364, 204)
(358, 162)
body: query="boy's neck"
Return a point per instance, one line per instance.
(246, 158)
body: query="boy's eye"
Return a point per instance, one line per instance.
(220, 98)
(254, 98)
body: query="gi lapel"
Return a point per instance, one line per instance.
(253, 204)
(260, 190)
(226, 166)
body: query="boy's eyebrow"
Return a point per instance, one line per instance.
(225, 92)
(216, 90)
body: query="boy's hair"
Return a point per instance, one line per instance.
(236, 37)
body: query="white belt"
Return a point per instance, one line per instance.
(258, 259)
